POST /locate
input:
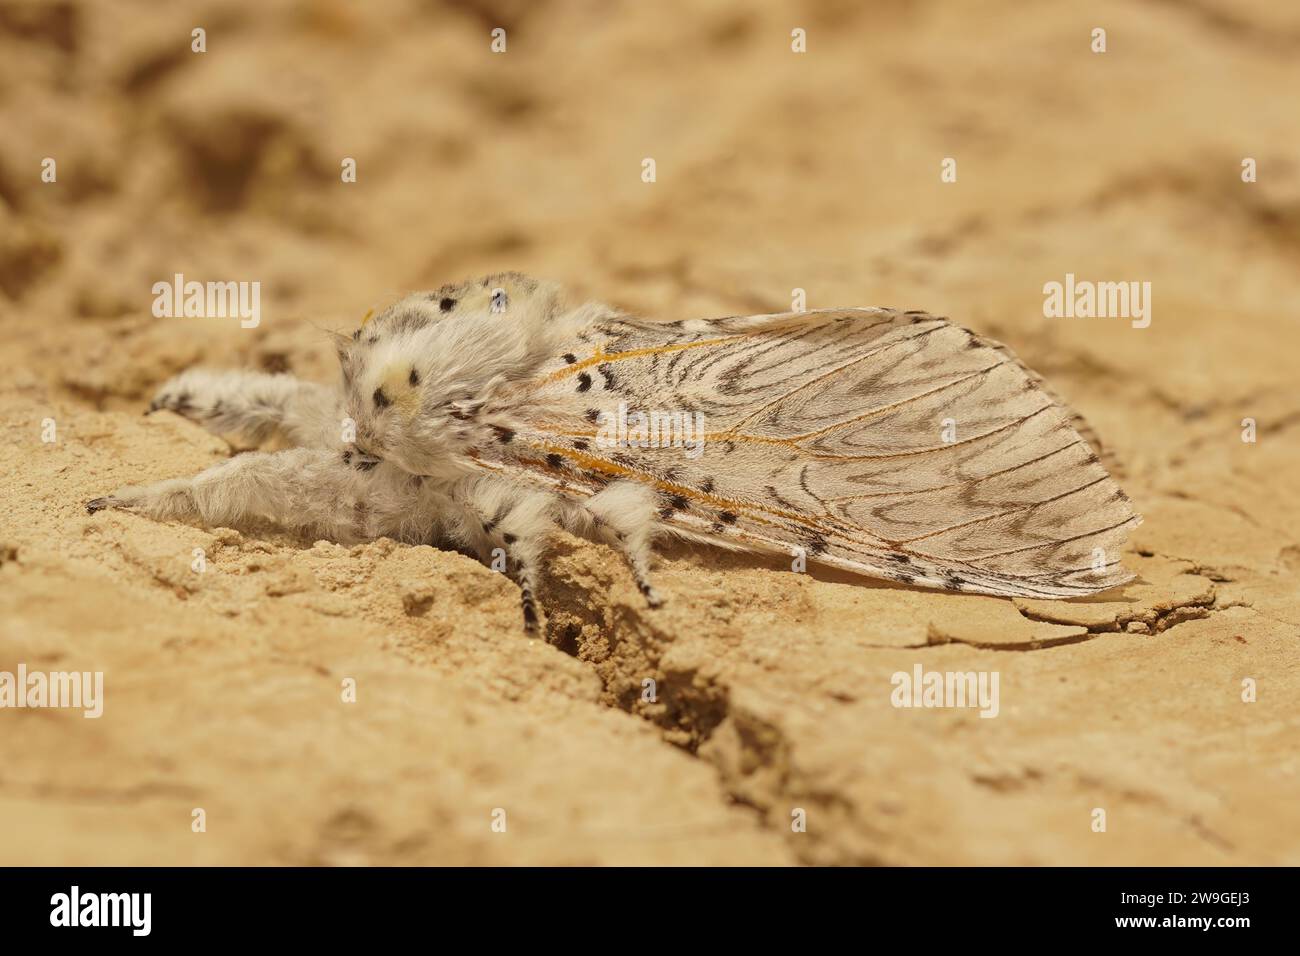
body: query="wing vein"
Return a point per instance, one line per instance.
(838, 369)
(1045, 544)
(1003, 514)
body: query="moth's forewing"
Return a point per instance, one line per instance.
(896, 445)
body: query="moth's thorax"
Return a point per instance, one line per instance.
(427, 381)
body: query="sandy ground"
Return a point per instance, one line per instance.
(775, 170)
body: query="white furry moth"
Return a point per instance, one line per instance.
(892, 444)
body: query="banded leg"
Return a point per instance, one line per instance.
(500, 515)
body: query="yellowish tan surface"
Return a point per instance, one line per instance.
(775, 170)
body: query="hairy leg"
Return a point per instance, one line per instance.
(309, 491)
(491, 514)
(624, 515)
(255, 405)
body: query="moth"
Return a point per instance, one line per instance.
(486, 414)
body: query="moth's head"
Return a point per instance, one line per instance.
(417, 374)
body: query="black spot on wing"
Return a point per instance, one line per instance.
(781, 500)
(814, 543)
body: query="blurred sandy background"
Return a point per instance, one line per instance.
(776, 170)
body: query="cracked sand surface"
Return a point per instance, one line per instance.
(773, 688)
